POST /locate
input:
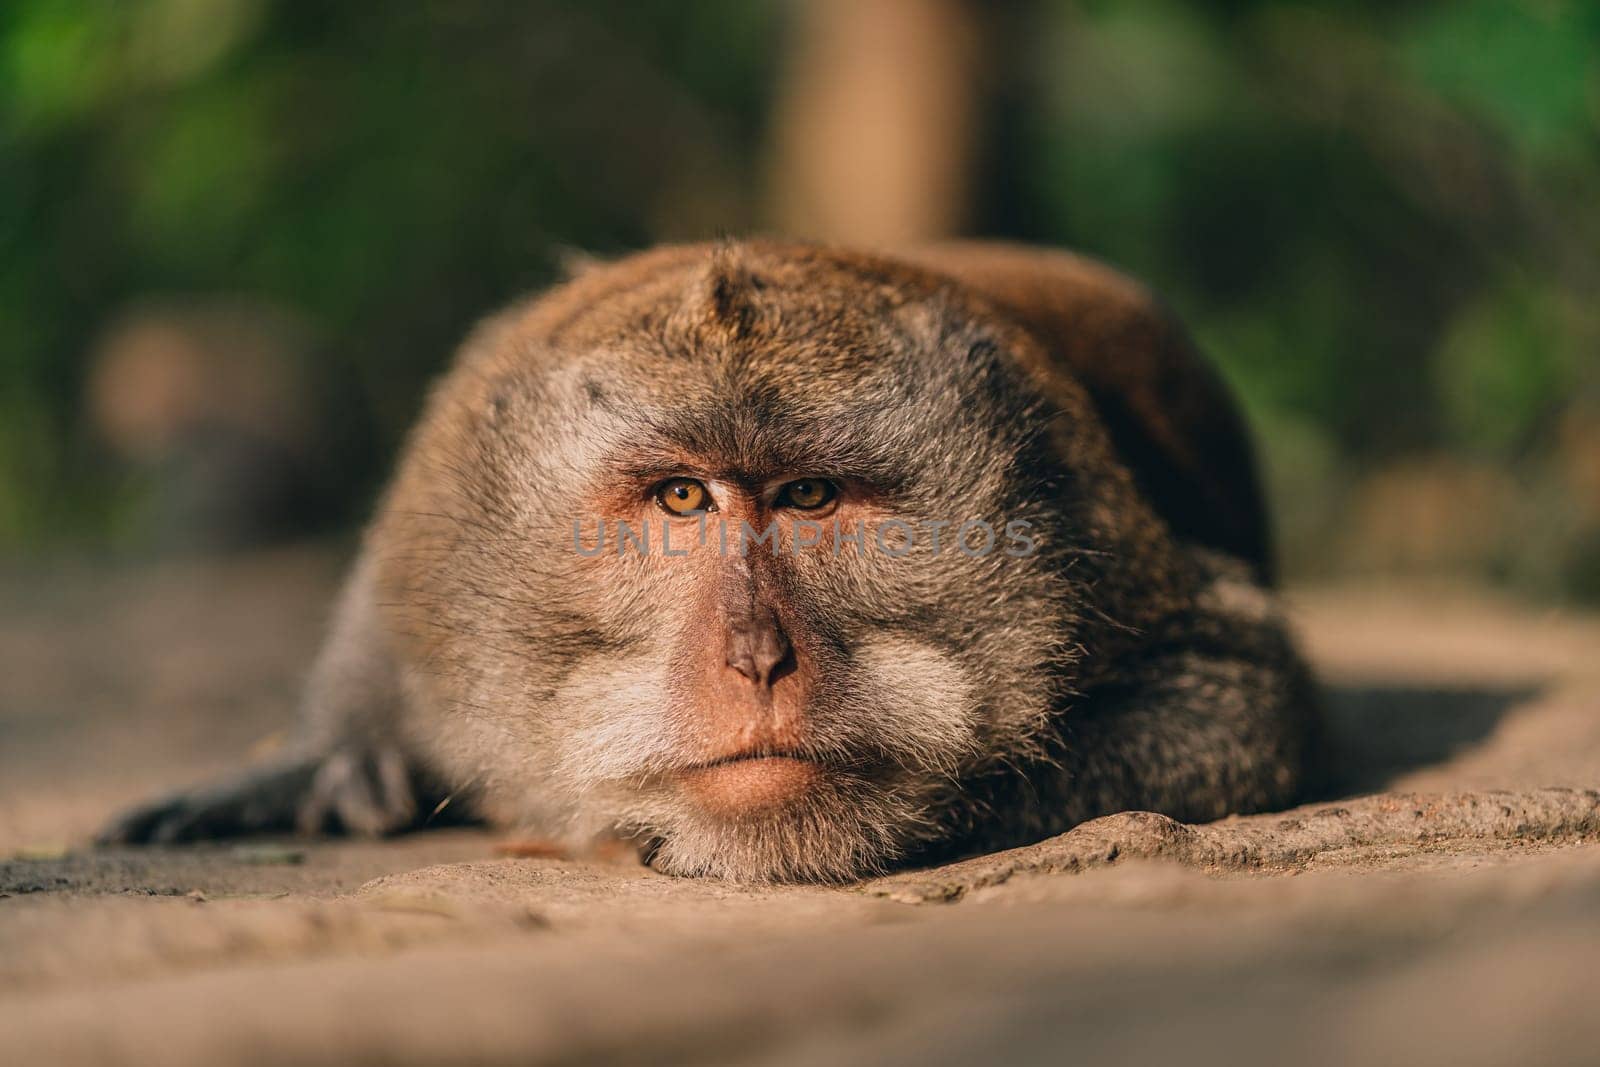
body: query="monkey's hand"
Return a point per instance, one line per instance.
(367, 792)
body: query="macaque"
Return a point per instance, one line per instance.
(792, 563)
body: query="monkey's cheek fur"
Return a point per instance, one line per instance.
(738, 787)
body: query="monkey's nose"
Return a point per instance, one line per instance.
(756, 646)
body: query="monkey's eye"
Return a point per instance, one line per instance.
(807, 494)
(683, 496)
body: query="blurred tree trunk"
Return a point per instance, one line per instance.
(877, 120)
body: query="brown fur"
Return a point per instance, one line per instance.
(909, 706)
(1167, 411)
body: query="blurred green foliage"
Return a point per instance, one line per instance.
(1382, 219)
(389, 173)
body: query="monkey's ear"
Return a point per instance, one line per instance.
(573, 262)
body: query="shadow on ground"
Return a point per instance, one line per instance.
(1378, 733)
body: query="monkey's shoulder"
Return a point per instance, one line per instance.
(1170, 416)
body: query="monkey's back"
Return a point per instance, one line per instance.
(1168, 413)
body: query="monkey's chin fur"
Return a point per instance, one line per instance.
(775, 820)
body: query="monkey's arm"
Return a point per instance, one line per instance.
(344, 770)
(1196, 734)
(1217, 715)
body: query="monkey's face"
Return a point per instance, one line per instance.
(754, 569)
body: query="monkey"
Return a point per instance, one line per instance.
(661, 560)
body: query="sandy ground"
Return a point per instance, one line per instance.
(1441, 905)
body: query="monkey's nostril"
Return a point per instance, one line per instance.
(757, 649)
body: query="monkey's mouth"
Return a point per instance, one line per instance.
(737, 784)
